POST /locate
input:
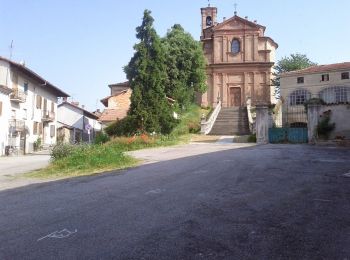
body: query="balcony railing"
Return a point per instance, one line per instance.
(48, 116)
(18, 96)
(16, 125)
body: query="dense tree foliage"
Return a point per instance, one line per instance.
(293, 62)
(146, 73)
(185, 66)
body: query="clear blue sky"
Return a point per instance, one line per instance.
(82, 45)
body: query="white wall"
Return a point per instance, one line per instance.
(27, 111)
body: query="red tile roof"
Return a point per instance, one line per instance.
(319, 68)
(109, 115)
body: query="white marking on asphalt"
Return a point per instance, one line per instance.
(156, 191)
(347, 175)
(59, 234)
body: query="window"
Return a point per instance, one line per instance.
(298, 97)
(24, 114)
(25, 87)
(209, 21)
(38, 101)
(300, 80)
(345, 75)
(52, 130)
(325, 77)
(335, 95)
(235, 46)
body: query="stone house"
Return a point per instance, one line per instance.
(75, 124)
(330, 83)
(117, 104)
(28, 108)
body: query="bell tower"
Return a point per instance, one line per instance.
(209, 15)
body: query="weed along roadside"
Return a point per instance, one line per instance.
(86, 159)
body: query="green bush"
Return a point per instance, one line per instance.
(124, 127)
(324, 127)
(252, 138)
(101, 138)
(62, 150)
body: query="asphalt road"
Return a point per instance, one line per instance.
(262, 202)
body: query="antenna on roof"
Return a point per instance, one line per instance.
(235, 5)
(11, 49)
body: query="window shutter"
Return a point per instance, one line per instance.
(40, 128)
(52, 106)
(35, 131)
(52, 130)
(38, 101)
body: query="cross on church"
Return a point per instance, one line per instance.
(208, 3)
(235, 5)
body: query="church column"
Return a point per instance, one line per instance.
(224, 90)
(224, 49)
(212, 100)
(268, 87)
(256, 48)
(245, 87)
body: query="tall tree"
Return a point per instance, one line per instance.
(295, 61)
(185, 66)
(146, 73)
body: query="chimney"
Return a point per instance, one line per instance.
(255, 21)
(224, 19)
(246, 17)
(98, 110)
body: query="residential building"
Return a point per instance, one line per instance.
(28, 108)
(117, 104)
(75, 124)
(329, 83)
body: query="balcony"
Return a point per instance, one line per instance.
(48, 116)
(16, 125)
(18, 96)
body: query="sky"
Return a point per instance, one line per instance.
(81, 46)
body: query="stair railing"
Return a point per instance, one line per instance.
(207, 125)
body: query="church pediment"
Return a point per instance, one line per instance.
(237, 23)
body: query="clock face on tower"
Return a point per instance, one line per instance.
(209, 21)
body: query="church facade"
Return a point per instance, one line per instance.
(239, 61)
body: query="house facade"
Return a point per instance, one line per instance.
(75, 124)
(28, 105)
(239, 60)
(329, 83)
(117, 104)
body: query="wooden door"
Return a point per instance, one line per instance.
(235, 97)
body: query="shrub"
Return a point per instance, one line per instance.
(62, 150)
(324, 127)
(37, 144)
(123, 127)
(101, 138)
(252, 138)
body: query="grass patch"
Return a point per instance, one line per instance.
(78, 160)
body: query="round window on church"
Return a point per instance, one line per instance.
(235, 46)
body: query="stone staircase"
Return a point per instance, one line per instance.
(231, 121)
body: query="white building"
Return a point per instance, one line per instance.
(28, 107)
(75, 124)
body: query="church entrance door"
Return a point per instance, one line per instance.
(235, 97)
